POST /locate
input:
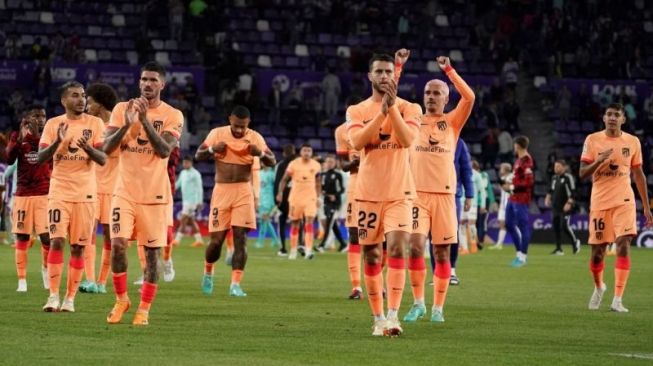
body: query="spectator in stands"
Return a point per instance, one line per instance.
(509, 72)
(289, 154)
(490, 148)
(510, 112)
(190, 91)
(176, 18)
(42, 81)
(228, 95)
(648, 112)
(57, 46)
(318, 61)
(122, 90)
(13, 46)
(294, 107)
(40, 51)
(331, 94)
(403, 26)
(505, 147)
(564, 103)
(274, 104)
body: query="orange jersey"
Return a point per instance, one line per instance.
(143, 175)
(611, 186)
(107, 174)
(384, 172)
(73, 173)
(304, 175)
(236, 151)
(432, 156)
(344, 147)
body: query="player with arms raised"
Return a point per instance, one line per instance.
(434, 210)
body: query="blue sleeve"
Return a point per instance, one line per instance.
(466, 171)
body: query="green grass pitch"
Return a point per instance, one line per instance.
(297, 314)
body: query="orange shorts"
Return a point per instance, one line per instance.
(232, 204)
(149, 222)
(436, 213)
(103, 208)
(73, 219)
(169, 213)
(352, 209)
(375, 219)
(30, 214)
(300, 209)
(607, 225)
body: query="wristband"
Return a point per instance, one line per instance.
(211, 150)
(447, 69)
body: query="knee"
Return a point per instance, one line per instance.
(442, 253)
(416, 250)
(56, 244)
(76, 250)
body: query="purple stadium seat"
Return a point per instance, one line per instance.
(329, 145)
(564, 138)
(573, 126)
(324, 38)
(292, 62)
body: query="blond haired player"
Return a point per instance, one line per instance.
(434, 210)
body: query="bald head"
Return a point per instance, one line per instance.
(436, 97)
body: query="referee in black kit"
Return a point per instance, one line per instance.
(561, 199)
(332, 190)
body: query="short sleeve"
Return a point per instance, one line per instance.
(117, 119)
(290, 170)
(49, 135)
(260, 143)
(175, 124)
(98, 136)
(636, 160)
(413, 114)
(210, 140)
(587, 156)
(353, 118)
(341, 142)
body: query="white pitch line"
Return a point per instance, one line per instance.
(641, 356)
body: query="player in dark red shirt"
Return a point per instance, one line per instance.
(31, 200)
(517, 223)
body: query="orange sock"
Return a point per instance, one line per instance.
(374, 287)
(45, 251)
(417, 272)
(55, 267)
(294, 237)
(597, 273)
(120, 286)
(308, 237)
(208, 268)
(75, 273)
(441, 280)
(148, 292)
(621, 272)
(354, 263)
(167, 252)
(105, 267)
(236, 276)
(89, 261)
(396, 280)
(21, 258)
(230, 240)
(141, 256)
